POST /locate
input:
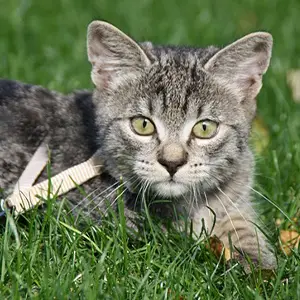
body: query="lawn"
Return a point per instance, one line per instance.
(47, 256)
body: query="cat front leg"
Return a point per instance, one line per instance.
(237, 229)
(245, 240)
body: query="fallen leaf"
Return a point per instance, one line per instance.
(293, 80)
(170, 292)
(291, 226)
(290, 239)
(218, 248)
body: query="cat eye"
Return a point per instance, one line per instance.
(142, 126)
(205, 129)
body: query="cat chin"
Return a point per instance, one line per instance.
(170, 189)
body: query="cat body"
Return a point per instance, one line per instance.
(171, 125)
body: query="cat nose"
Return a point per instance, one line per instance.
(171, 166)
(172, 157)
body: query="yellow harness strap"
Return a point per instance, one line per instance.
(26, 196)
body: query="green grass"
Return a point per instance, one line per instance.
(48, 256)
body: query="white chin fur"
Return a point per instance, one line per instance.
(170, 189)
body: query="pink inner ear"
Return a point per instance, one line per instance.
(253, 86)
(103, 79)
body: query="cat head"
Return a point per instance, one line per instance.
(175, 119)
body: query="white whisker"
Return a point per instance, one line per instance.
(271, 202)
(233, 204)
(116, 199)
(106, 196)
(209, 209)
(229, 220)
(90, 194)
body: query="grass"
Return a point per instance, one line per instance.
(47, 256)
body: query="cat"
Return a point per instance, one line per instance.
(171, 123)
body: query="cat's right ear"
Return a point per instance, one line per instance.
(114, 56)
(241, 65)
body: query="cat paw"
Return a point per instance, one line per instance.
(250, 258)
(263, 260)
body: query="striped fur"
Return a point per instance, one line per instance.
(174, 88)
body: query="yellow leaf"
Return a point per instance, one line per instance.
(218, 248)
(289, 239)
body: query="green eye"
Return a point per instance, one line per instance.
(142, 126)
(205, 129)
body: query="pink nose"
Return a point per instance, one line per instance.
(172, 157)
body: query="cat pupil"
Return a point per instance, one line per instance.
(144, 123)
(204, 126)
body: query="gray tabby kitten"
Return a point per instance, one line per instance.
(173, 122)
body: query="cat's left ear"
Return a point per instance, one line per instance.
(240, 65)
(115, 57)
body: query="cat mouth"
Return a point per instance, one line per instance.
(170, 188)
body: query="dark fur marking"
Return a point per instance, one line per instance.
(187, 94)
(230, 160)
(240, 144)
(194, 73)
(199, 111)
(86, 106)
(150, 106)
(11, 89)
(160, 90)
